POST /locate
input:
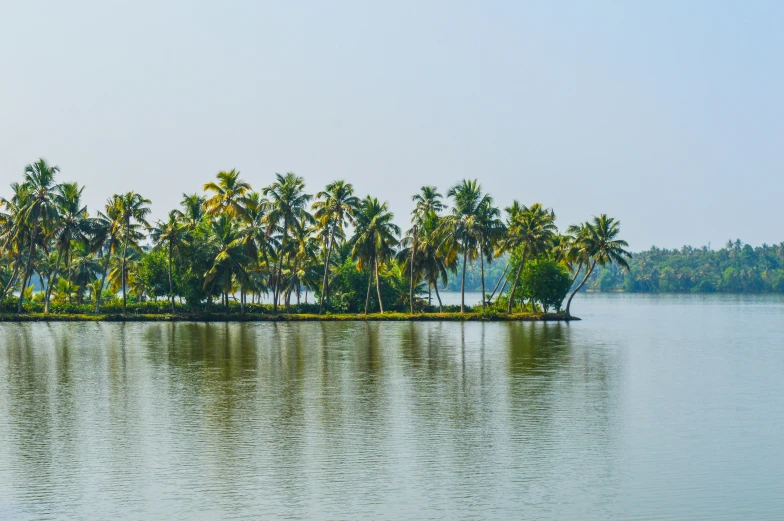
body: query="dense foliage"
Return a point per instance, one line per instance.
(736, 267)
(229, 246)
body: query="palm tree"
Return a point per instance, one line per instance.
(14, 233)
(41, 188)
(173, 232)
(73, 225)
(428, 206)
(131, 207)
(461, 228)
(107, 236)
(285, 212)
(228, 195)
(231, 259)
(336, 205)
(489, 230)
(374, 240)
(424, 256)
(530, 233)
(192, 209)
(599, 245)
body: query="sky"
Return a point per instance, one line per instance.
(667, 115)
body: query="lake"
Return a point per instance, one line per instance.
(652, 407)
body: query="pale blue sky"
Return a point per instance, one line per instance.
(667, 115)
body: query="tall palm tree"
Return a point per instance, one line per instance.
(530, 233)
(599, 244)
(231, 260)
(335, 206)
(133, 209)
(286, 211)
(73, 225)
(14, 233)
(41, 188)
(428, 206)
(460, 229)
(107, 237)
(228, 195)
(173, 233)
(489, 230)
(374, 241)
(192, 209)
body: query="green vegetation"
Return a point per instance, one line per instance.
(331, 256)
(735, 268)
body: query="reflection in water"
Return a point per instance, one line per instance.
(357, 420)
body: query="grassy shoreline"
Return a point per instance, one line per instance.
(282, 317)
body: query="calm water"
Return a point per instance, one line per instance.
(650, 408)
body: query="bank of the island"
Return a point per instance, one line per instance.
(286, 317)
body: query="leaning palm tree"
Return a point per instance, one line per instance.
(530, 233)
(173, 233)
(460, 229)
(132, 209)
(599, 245)
(335, 206)
(285, 211)
(374, 241)
(40, 204)
(228, 195)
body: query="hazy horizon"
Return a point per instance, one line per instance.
(667, 116)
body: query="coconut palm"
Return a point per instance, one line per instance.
(228, 195)
(107, 238)
(335, 206)
(73, 225)
(192, 209)
(231, 259)
(14, 233)
(374, 241)
(173, 234)
(131, 207)
(460, 229)
(40, 205)
(598, 244)
(530, 233)
(285, 211)
(428, 206)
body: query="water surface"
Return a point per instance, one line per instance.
(653, 407)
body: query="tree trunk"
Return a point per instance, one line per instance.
(103, 279)
(48, 293)
(242, 299)
(12, 280)
(440, 306)
(30, 254)
(171, 284)
(585, 279)
(462, 284)
(413, 256)
(514, 285)
(326, 271)
(276, 291)
(482, 265)
(370, 284)
(378, 290)
(122, 269)
(499, 283)
(68, 270)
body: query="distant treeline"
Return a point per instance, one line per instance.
(735, 268)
